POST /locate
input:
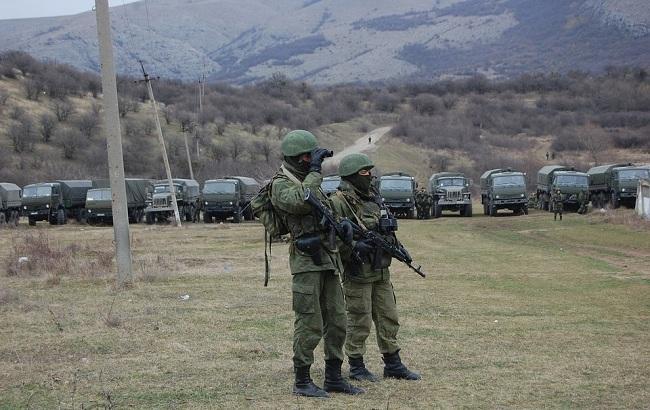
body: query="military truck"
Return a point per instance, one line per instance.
(228, 197)
(159, 205)
(55, 201)
(397, 191)
(10, 203)
(98, 200)
(569, 181)
(330, 184)
(451, 192)
(503, 189)
(614, 184)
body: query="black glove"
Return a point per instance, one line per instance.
(345, 227)
(363, 249)
(318, 155)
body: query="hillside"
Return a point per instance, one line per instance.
(50, 125)
(336, 41)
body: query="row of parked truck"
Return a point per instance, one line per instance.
(228, 198)
(149, 200)
(505, 188)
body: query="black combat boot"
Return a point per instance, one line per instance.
(394, 368)
(334, 383)
(359, 372)
(304, 385)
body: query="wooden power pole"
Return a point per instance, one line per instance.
(161, 140)
(114, 146)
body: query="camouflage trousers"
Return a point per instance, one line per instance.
(367, 303)
(319, 310)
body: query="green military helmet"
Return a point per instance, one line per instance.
(298, 142)
(353, 163)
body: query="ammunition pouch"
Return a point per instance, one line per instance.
(311, 245)
(387, 224)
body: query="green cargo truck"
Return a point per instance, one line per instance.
(397, 191)
(10, 203)
(616, 184)
(228, 197)
(451, 192)
(503, 189)
(159, 206)
(569, 181)
(55, 201)
(99, 200)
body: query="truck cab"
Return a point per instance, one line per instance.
(397, 191)
(228, 197)
(160, 207)
(503, 189)
(570, 182)
(616, 183)
(10, 203)
(42, 202)
(450, 191)
(330, 184)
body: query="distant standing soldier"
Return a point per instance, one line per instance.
(583, 201)
(317, 294)
(423, 203)
(557, 200)
(369, 139)
(369, 293)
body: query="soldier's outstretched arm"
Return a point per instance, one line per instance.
(290, 197)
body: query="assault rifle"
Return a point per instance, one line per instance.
(395, 250)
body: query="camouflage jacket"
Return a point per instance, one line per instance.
(347, 203)
(288, 202)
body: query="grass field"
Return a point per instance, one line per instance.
(516, 312)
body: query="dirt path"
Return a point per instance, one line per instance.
(360, 145)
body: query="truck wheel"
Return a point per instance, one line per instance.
(207, 218)
(237, 216)
(493, 209)
(468, 211)
(3, 218)
(150, 218)
(614, 202)
(410, 214)
(485, 208)
(437, 210)
(525, 209)
(31, 221)
(60, 217)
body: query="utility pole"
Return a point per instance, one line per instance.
(161, 140)
(189, 158)
(114, 146)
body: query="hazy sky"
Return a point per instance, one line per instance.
(16, 9)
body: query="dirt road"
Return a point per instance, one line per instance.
(360, 145)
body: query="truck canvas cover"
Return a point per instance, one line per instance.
(74, 192)
(136, 189)
(10, 195)
(249, 186)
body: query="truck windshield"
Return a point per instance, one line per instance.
(634, 174)
(395, 184)
(578, 180)
(219, 188)
(451, 182)
(33, 192)
(161, 189)
(330, 185)
(98, 195)
(509, 180)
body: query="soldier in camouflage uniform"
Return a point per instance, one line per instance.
(318, 300)
(583, 201)
(557, 201)
(369, 294)
(423, 203)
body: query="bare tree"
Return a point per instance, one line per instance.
(47, 124)
(236, 147)
(21, 134)
(4, 96)
(88, 125)
(595, 141)
(33, 89)
(265, 148)
(71, 142)
(63, 110)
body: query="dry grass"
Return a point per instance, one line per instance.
(516, 312)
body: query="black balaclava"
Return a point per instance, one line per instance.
(361, 183)
(296, 166)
